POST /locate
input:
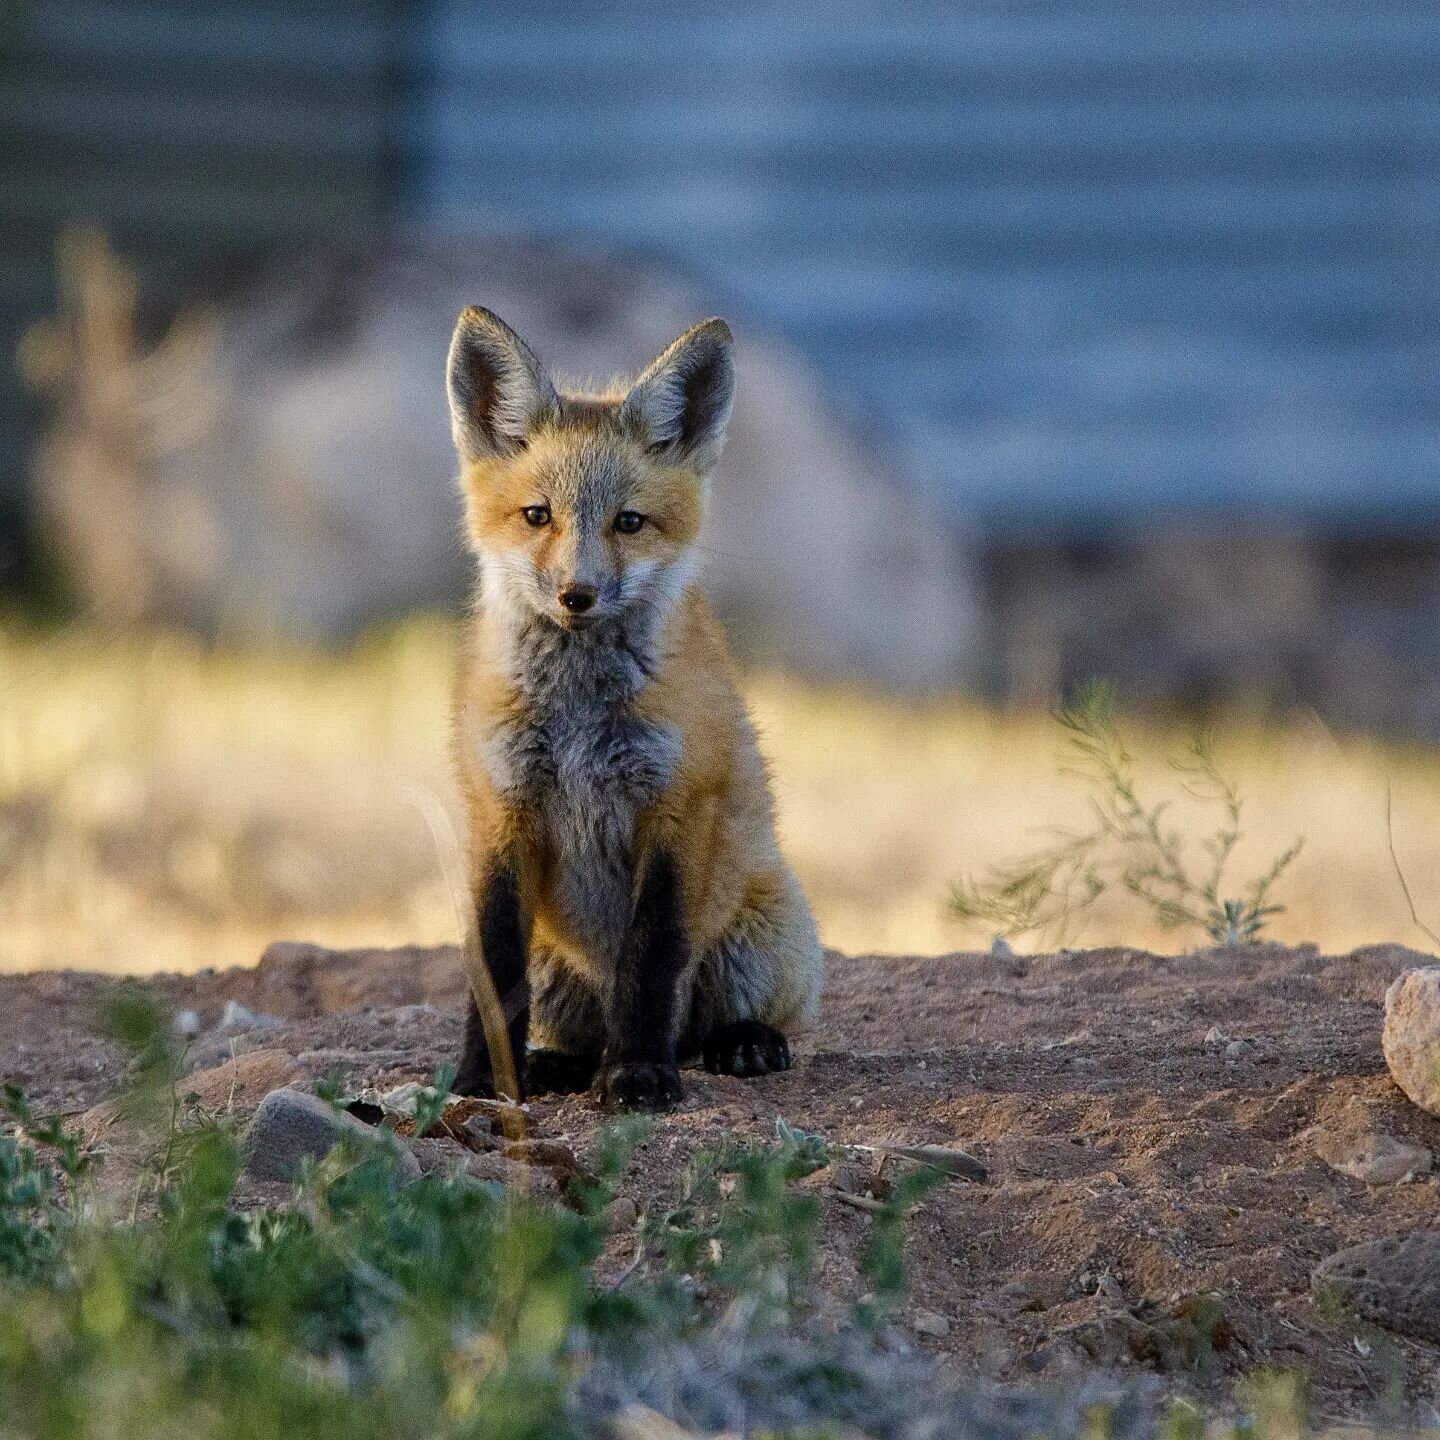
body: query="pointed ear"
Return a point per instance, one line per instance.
(681, 403)
(498, 390)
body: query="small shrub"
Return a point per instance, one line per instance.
(1130, 844)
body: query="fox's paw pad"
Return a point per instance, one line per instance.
(747, 1048)
(557, 1073)
(637, 1085)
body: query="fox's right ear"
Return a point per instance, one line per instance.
(498, 390)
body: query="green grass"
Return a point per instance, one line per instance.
(371, 1307)
(368, 1307)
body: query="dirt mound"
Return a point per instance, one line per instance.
(1156, 1197)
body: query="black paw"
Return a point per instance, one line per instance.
(557, 1073)
(746, 1048)
(637, 1085)
(471, 1081)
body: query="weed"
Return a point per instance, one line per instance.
(1130, 843)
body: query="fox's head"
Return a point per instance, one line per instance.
(585, 508)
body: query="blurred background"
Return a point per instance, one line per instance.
(1078, 338)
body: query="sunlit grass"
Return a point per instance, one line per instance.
(164, 805)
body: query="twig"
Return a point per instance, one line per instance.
(1400, 876)
(635, 1259)
(857, 1202)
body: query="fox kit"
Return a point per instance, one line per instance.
(631, 903)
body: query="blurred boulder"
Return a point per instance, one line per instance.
(281, 463)
(1411, 1037)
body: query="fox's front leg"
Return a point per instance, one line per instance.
(501, 934)
(639, 1069)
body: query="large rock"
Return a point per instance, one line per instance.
(294, 471)
(291, 1126)
(1411, 1037)
(1394, 1283)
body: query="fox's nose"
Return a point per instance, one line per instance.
(577, 599)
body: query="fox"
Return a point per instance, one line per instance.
(629, 898)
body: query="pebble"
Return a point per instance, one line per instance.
(927, 1322)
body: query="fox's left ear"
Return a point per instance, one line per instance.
(681, 403)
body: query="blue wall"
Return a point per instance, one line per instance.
(1094, 258)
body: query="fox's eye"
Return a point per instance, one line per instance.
(536, 515)
(627, 522)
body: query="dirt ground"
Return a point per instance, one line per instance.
(1155, 1199)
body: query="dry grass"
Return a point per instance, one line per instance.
(166, 806)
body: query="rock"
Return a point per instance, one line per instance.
(242, 1083)
(291, 1126)
(274, 473)
(927, 1322)
(1393, 1283)
(1411, 1036)
(238, 1019)
(1216, 1038)
(402, 1099)
(1372, 1157)
(1238, 1049)
(186, 1024)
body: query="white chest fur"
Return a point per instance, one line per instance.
(581, 762)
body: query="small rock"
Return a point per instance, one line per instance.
(927, 1322)
(236, 1019)
(1216, 1038)
(1411, 1035)
(1237, 1049)
(242, 1083)
(1001, 948)
(1394, 1283)
(403, 1098)
(186, 1024)
(290, 1126)
(478, 1132)
(1372, 1157)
